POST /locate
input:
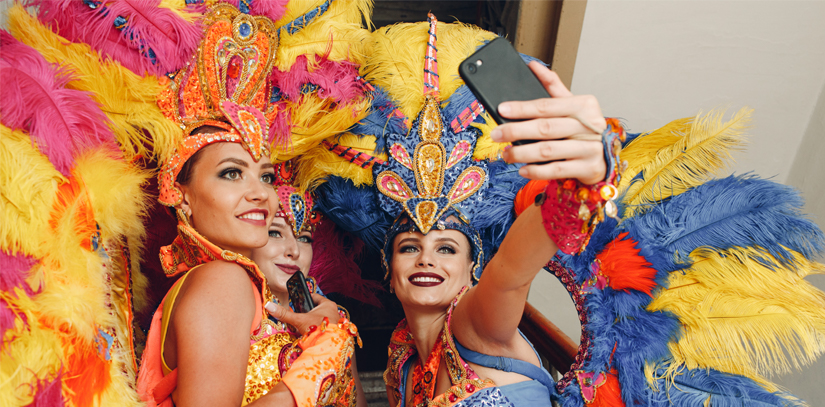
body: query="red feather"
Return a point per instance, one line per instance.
(63, 122)
(334, 268)
(172, 39)
(624, 268)
(526, 196)
(609, 394)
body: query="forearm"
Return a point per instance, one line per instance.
(492, 310)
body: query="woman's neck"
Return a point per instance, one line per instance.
(425, 327)
(281, 296)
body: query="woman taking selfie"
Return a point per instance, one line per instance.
(655, 253)
(460, 340)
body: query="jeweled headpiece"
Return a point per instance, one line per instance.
(296, 204)
(441, 169)
(225, 86)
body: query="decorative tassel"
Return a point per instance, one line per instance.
(679, 156)
(63, 122)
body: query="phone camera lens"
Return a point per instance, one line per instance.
(472, 68)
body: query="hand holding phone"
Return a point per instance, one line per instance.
(299, 293)
(565, 127)
(496, 74)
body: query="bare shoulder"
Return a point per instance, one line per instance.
(216, 294)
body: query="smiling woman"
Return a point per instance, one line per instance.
(211, 342)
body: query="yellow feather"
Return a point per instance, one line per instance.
(396, 61)
(179, 8)
(128, 100)
(28, 182)
(315, 119)
(486, 148)
(679, 156)
(120, 203)
(318, 163)
(337, 33)
(34, 352)
(741, 317)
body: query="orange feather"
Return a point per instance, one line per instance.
(624, 268)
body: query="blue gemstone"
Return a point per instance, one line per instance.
(245, 29)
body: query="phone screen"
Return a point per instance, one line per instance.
(299, 293)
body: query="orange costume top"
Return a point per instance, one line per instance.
(315, 367)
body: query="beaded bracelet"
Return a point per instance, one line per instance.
(570, 210)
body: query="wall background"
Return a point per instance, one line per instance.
(654, 61)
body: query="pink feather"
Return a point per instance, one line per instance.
(280, 129)
(273, 9)
(172, 39)
(334, 267)
(7, 318)
(13, 271)
(335, 80)
(63, 122)
(48, 393)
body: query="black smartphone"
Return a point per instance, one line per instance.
(496, 74)
(298, 291)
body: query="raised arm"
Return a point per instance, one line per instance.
(568, 128)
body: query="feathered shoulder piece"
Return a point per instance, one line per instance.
(697, 294)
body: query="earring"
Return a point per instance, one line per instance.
(183, 217)
(392, 291)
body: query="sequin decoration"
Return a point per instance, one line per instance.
(263, 373)
(467, 184)
(401, 155)
(296, 209)
(429, 168)
(391, 185)
(461, 150)
(430, 120)
(425, 214)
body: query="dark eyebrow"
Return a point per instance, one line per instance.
(237, 161)
(267, 166)
(412, 239)
(447, 239)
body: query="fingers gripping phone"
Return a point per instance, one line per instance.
(496, 74)
(299, 294)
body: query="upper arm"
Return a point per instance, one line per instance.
(490, 312)
(212, 320)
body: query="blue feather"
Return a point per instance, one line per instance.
(697, 386)
(354, 209)
(735, 211)
(380, 121)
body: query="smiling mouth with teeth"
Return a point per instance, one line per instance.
(425, 280)
(252, 216)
